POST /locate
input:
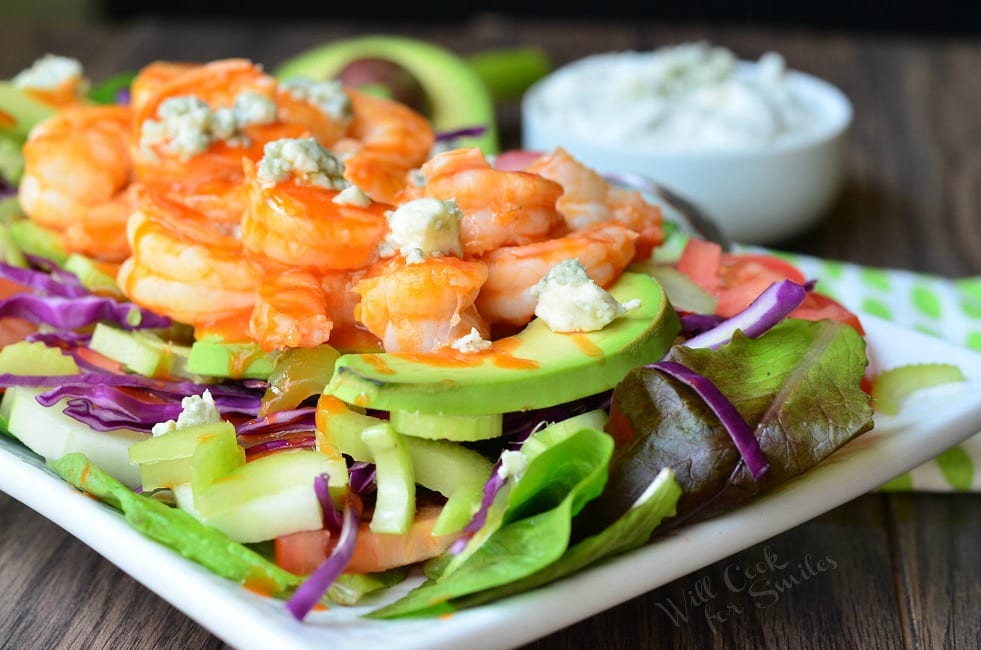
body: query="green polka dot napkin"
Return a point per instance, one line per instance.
(949, 309)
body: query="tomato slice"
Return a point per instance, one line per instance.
(304, 551)
(817, 306)
(737, 279)
(701, 260)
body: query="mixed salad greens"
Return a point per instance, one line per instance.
(742, 379)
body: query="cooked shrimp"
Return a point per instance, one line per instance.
(291, 310)
(193, 125)
(217, 83)
(386, 140)
(185, 267)
(588, 199)
(423, 306)
(500, 208)
(78, 179)
(300, 224)
(604, 249)
(322, 107)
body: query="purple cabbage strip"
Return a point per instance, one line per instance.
(73, 313)
(769, 308)
(7, 190)
(123, 96)
(739, 431)
(62, 284)
(693, 324)
(333, 521)
(316, 585)
(307, 442)
(361, 477)
(528, 426)
(491, 489)
(229, 393)
(279, 421)
(105, 407)
(471, 131)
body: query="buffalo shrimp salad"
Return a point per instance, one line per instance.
(291, 332)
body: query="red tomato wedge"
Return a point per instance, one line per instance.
(736, 279)
(301, 553)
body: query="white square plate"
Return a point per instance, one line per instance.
(931, 421)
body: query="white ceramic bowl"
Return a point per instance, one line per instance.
(757, 196)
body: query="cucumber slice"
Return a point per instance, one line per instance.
(558, 431)
(395, 502)
(200, 454)
(48, 432)
(35, 359)
(267, 497)
(448, 426)
(454, 471)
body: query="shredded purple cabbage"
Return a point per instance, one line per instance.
(316, 585)
(333, 521)
(470, 131)
(769, 308)
(739, 431)
(280, 421)
(123, 96)
(52, 283)
(694, 324)
(278, 444)
(7, 190)
(361, 477)
(72, 313)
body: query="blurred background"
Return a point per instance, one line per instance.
(961, 17)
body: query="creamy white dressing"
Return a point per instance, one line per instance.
(692, 96)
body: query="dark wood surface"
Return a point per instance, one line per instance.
(899, 571)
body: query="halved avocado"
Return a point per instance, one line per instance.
(457, 96)
(536, 368)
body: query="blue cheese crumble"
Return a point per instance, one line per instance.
(195, 410)
(570, 301)
(303, 158)
(352, 195)
(50, 72)
(189, 126)
(471, 343)
(422, 228)
(328, 96)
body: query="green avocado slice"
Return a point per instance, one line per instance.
(457, 95)
(536, 368)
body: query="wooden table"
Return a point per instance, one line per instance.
(907, 572)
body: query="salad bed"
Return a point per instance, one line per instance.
(738, 398)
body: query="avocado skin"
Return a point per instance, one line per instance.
(569, 366)
(455, 92)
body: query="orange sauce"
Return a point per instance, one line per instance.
(378, 363)
(261, 585)
(584, 343)
(7, 120)
(498, 355)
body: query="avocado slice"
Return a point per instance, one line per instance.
(20, 112)
(536, 368)
(37, 240)
(215, 358)
(457, 95)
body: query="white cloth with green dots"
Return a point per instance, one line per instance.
(949, 309)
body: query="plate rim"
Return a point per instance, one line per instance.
(246, 620)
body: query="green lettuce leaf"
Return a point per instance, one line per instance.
(798, 386)
(536, 531)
